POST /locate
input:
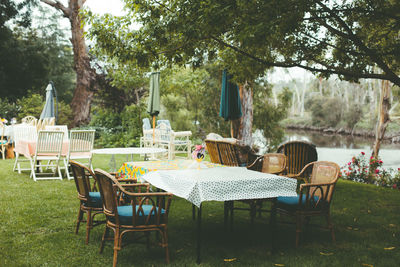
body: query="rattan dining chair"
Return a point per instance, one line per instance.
(299, 154)
(212, 149)
(314, 198)
(79, 149)
(3, 140)
(273, 163)
(90, 199)
(146, 212)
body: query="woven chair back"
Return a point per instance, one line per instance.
(82, 181)
(81, 141)
(49, 142)
(108, 194)
(274, 163)
(324, 172)
(227, 153)
(212, 149)
(163, 132)
(299, 154)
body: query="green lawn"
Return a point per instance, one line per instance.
(37, 222)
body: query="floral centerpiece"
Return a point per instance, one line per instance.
(3, 120)
(199, 152)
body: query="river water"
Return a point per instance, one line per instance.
(340, 148)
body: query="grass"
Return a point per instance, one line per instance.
(37, 222)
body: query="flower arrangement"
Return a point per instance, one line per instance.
(199, 152)
(4, 120)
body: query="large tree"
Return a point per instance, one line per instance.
(86, 76)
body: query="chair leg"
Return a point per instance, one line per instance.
(253, 212)
(105, 236)
(116, 246)
(66, 169)
(88, 225)
(330, 226)
(80, 215)
(298, 229)
(165, 239)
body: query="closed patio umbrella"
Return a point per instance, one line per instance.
(230, 106)
(49, 109)
(153, 107)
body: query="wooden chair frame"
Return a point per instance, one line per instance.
(315, 196)
(81, 176)
(156, 220)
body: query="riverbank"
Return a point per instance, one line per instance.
(393, 137)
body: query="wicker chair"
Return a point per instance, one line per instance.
(314, 198)
(273, 163)
(3, 140)
(146, 212)
(299, 154)
(212, 149)
(90, 200)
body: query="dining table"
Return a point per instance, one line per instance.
(210, 182)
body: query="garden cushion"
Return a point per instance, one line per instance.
(95, 200)
(125, 213)
(293, 201)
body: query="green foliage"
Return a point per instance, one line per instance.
(325, 111)
(30, 58)
(353, 115)
(8, 110)
(114, 129)
(348, 38)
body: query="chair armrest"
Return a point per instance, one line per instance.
(182, 133)
(316, 185)
(301, 172)
(257, 160)
(149, 194)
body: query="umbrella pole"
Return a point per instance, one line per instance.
(154, 128)
(232, 129)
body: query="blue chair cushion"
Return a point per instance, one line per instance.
(125, 214)
(3, 142)
(293, 201)
(95, 200)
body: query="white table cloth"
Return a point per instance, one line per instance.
(221, 184)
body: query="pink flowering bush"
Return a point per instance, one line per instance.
(360, 169)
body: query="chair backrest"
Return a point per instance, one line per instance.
(212, 149)
(163, 132)
(273, 163)
(227, 153)
(30, 120)
(62, 128)
(24, 132)
(299, 154)
(324, 172)
(49, 142)
(108, 194)
(82, 181)
(167, 122)
(81, 141)
(146, 124)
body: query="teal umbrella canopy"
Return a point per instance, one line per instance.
(153, 107)
(230, 106)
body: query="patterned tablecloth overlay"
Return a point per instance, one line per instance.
(135, 170)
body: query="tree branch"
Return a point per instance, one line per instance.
(333, 70)
(56, 4)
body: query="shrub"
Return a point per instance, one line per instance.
(325, 112)
(362, 170)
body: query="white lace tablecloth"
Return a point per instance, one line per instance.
(221, 184)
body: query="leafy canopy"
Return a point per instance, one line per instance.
(354, 39)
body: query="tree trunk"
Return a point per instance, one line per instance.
(85, 75)
(383, 120)
(242, 128)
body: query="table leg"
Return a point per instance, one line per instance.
(198, 234)
(272, 223)
(113, 164)
(193, 212)
(226, 214)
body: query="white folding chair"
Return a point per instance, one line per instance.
(48, 148)
(62, 128)
(80, 148)
(22, 132)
